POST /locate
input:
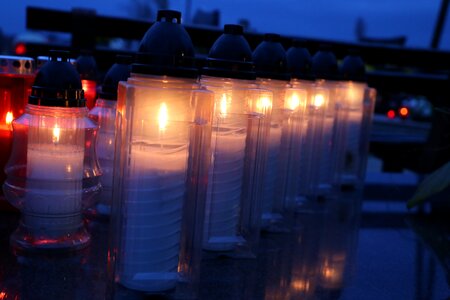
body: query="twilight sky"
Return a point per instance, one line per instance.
(330, 19)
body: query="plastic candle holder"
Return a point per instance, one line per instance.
(52, 171)
(238, 146)
(163, 139)
(285, 128)
(104, 113)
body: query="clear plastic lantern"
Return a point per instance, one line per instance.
(162, 157)
(104, 113)
(238, 146)
(359, 103)
(16, 78)
(329, 132)
(52, 172)
(284, 129)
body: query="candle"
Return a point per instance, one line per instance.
(153, 195)
(54, 177)
(224, 189)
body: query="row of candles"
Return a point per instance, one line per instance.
(182, 162)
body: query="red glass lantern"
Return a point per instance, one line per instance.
(16, 78)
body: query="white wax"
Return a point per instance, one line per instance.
(224, 190)
(153, 197)
(54, 179)
(271, 173)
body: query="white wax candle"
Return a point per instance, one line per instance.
(271, 174)
(152, 206)
(224, 190)
(54, 179)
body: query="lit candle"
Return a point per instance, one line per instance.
(153, 196)
(225, 179)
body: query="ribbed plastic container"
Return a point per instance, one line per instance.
(238, 146)
(162, 159)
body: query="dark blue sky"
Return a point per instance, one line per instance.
(330, 19)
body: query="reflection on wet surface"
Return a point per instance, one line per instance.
(334, 253)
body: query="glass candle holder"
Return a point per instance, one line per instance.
(16, 79)
(162, 157)
(52, 171)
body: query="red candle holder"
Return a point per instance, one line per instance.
(16, 79)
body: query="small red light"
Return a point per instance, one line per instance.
(391, 114)
(404, 112)
(21, 49)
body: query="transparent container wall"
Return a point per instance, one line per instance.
(157, 206)
(311, 148)
(370, 95)
(272, 205)
(294, 128)
(327, 151)
(47, 173)
(104, 113)
(232, 214)
(14, 92)
(351, 163)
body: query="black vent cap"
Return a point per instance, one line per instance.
(230, 56)
(57, 83)
(166, 48)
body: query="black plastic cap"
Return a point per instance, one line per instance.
(324, 65)
(86, 66)
(166, 48)
(299, 61)
(353, 68)
(230, 56)
(120, 71)
(57, 83)
(270, 60)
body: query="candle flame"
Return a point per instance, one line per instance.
(301, 285)
(319, 100)
(223, 105)
(56, 132)
(69, 168)
(263, 104)
(293, 102)
(162, 116)
(9, 118)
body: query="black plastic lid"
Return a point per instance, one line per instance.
(86, 66)
(57, 83)
(166, 48)
(270, 58)
(299, 61)
(120, 71)
(353, 68)
(230, 56)
(324, 64)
